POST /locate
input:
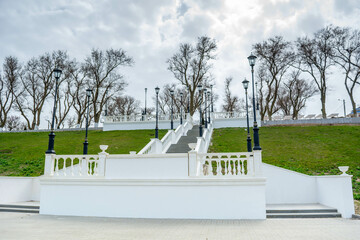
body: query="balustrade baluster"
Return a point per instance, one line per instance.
(57, 167)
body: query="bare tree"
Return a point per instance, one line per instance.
(275, 57)
(36, 85)
(231, 103)
(347, 56)
(125, 105)
(102, 76)
(8, 87)
(262, 76)
(14, 123)
(191, 66)
(314, 55)
(294, 93)
(77, 91)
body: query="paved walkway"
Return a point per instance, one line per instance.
(40, 227)
(183, 144)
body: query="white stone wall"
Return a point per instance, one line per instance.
(19, 189)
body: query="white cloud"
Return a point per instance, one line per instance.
(150, 31)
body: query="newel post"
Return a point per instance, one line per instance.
(192, 156)
(102, 159)
(49, 165)
(257, 162)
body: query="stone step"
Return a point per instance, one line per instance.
(19, 208)
(304, 215)
(329, 210)
(310, 210)
(182, 146)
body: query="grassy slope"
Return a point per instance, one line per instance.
(22, 154)
(313, 150)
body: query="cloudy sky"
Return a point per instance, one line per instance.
(151, 30)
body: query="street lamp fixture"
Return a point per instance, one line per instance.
(172, 109)
(57, 73)
(246, 85)
(181, 106)
(157, 89)
(199, 87)
(252, 59)
(88, 95)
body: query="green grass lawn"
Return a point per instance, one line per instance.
(313, 150)
(23, 154)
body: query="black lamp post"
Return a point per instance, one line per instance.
(252, 59)
(145, 101)
(212, 104)
(106, 102)
(205, 108)
(88, 94)
(157, 89)
(343, 106)
(188, 101)
(246, 84)
(172, 109)
(57, 73)
(209, 105)
(257, 97)
(200, 99)
(181, 105)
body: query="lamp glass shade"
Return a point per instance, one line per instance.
(199, 87)
(205, 90)
(57, 73)
(252, 59)
(88, 92)
(157, 89)
(181, 94)
(245, 84)
(172, 92)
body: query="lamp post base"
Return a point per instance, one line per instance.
(85, 147)
(156, 132)
(249, 143)
(51, 143)
(256, 137)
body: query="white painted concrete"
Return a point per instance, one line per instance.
(285, 186)
(155, 166)
(164, 124)
(19, 189)
(288, 187)
(152, 198)
(336, 191)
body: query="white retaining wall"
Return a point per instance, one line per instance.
(327, 121)
(19, 189)
(233, 122)
(147, 166)
(285, 187)
(163, 124)
(155, 198)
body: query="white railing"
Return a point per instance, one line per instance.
(225, 164)
(203, 142)
(223, 115)
(139, 118)
(75, 165)
(156, 146)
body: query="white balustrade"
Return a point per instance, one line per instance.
(239, 164)
(223, 115)
(139, 118)
(75, 165)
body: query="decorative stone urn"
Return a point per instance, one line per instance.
(344, 169)
(103, 148)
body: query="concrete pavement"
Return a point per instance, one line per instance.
(33, 226)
